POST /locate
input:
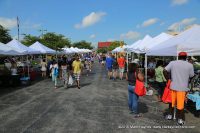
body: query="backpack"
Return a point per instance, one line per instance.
(55, 71)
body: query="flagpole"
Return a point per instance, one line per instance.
(18, 27)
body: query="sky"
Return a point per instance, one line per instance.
(99, 20)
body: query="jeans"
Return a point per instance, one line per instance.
(54, 79)
(132, 99)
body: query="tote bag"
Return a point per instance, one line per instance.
(167, 98)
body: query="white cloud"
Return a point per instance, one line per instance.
(30, 25)
(8, 22)
(111, 40)
(183, 23)
(179, 2)
(131, 35)
(163, 23)
(91, 19)
(92, 36)
(150, 22)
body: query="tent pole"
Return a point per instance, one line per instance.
(46, 58)
(146, 69)
(127, 60)
(27, 64)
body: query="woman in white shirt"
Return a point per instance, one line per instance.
(43, 68)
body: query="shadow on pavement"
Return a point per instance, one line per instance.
(4, 90)
(143, 107)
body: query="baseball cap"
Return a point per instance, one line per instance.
(182, 54)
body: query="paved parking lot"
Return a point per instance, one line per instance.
(99, 106)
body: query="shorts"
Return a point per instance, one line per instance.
(114, 70)
(121, 70)
(103, 62)
(178, 99)
(43, 69)
(109, 69)
(77, 76)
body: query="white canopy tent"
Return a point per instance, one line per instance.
(154, 42)
(119, 49)
(137, 48)
(43, 49)
(73, 50)
(22, 48)
(188, 41)
(7, 50)
(66, 51)
(129, 47)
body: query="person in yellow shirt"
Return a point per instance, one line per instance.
(77, 70)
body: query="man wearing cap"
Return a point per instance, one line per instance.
(181, 71)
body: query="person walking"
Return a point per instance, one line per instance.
(77, 70)
(181, 71)
(131, 76)
(87, 66)
(54, 73)
(64, 73)
(115, 68)
(109, 62)
(103, 60)
(43, 68)
(160, 79)
(121, 62)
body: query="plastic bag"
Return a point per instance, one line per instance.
(70, 82)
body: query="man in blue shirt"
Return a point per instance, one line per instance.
(109, 62)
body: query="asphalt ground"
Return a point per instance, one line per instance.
(100, 106)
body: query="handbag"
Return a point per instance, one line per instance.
(70, 82)
(140, 89)
(167, 98)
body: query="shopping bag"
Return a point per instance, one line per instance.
(167, 98)
(140, 89)
(70, 82)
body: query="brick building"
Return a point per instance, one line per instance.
(104, 44)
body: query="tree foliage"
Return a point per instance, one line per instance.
(55, 41)
(29, 40)
(102, 50)
(114, 45)
(51, 40)
(4, 35)
(83, 44)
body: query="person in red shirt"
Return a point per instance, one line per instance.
(121, 63)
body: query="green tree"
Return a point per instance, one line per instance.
(102, 50)
(114, 45)
(4, 35)
(83, 44)
(55, 41)
(29, 40)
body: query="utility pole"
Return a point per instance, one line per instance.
(42, 30)
(18, 28)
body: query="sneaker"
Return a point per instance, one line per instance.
(168, 117)
(180, 122)
(137, 115)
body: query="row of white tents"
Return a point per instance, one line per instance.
(166, 45)
(14, 47)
